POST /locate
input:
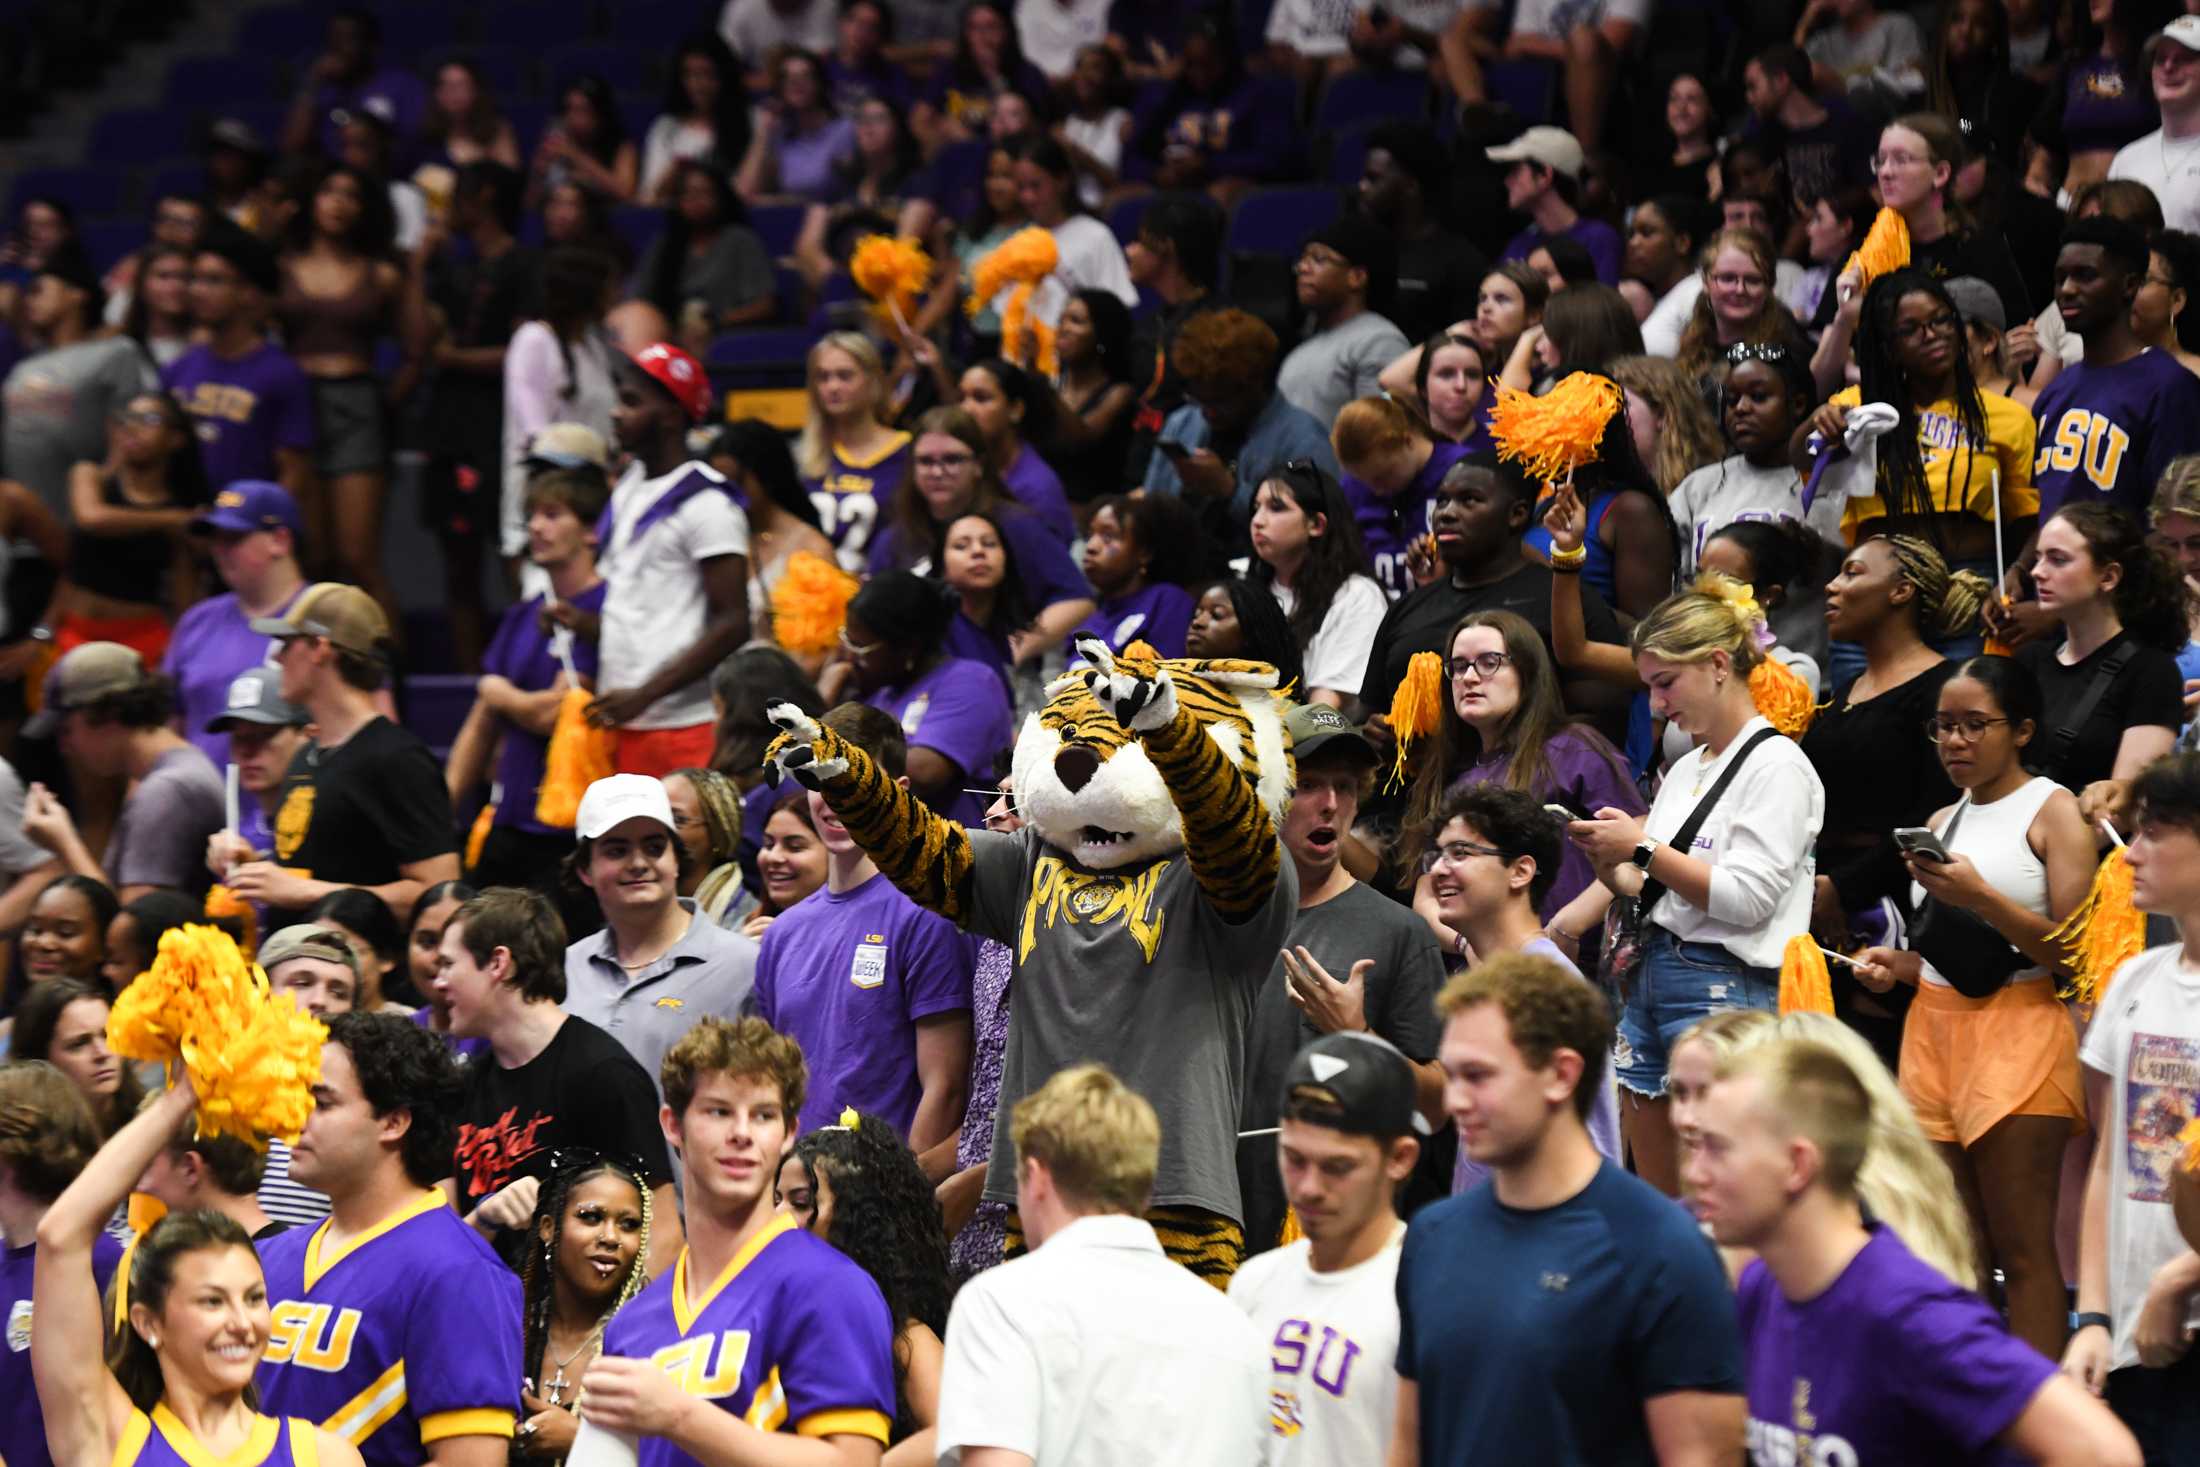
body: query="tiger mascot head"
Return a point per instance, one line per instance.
(1085, 783)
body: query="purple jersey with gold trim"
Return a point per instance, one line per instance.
(406, 1335)
(793, 1336)
(2106, 433)
(160, 1440)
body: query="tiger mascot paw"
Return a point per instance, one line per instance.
(804, 752)
(1139, 703)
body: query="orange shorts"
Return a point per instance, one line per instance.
(145, 635)
(1970, 1063)
(659, 751)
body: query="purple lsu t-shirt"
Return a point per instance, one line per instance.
(2109, 432)
(22, 1423)
(1158, 615)
(960, 711)
(521, 653)
(1035, 485)
(851, 497)
(243, 410)
(213, 643)
(847, 975)
(1601, 240)
(1390, 523)
(465, 1049)
(1042, 558)
(1890, 1364)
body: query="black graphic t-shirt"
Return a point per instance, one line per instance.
(583, 1091)
(359, 812)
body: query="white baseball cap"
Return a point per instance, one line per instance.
(618, 799)
(2184, 30)
(1553, 147)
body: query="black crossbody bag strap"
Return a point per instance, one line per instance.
(2058, 749)
(1685, 837)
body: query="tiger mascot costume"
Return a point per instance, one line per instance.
(1145, 900)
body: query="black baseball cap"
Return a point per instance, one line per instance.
(1363, 1079)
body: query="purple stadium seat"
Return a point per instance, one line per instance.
(759, 357)
(213, 83)
(1275, 220)
(108, 240)
(1530, 88)
(436, 705)
(958, 177)
(777, 225)
(627, 68)
(285, 32)
(1348, 153)
(87, 191)
(658, 25)
(1124, 217)
(134, 135)
(639, 225)
(1371, 96)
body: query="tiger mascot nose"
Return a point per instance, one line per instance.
(1075, 766)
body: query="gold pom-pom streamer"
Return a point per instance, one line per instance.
(1886, 247)
(2189, 1138)
(478, 837)
(253, 1057)
(578, 756)
(222, 902)
(1416, 708)
(1021, 261)
(1782, 696)
(1806, 987)
(893, 272)
(810, 604)
(1556, 433)
(2104, 931)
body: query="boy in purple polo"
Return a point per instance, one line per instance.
(1858, 1352)
(506, 736)
(249, 402)
(874, 988)
(251, 533)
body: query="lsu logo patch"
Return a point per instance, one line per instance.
(670, 1003)
(293, 821)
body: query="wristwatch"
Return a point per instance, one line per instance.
(2080, 1321)
(1643, 852)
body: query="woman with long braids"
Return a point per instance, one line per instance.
(858, 1186)
(1958, 457)
(591, 1233)
(707, 817)
(1894, 597)
(557, 370)
(178, 1386)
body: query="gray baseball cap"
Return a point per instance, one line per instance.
(256, 696)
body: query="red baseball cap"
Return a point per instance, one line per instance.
(679, 374)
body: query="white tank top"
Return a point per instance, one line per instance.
(1993, 838)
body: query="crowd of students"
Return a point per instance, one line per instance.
(660, 1115)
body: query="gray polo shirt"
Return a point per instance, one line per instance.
(706, 974)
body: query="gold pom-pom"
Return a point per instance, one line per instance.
(222, 902)
(1416, 708)
(2104, 931)
(253, 1057)
(810, 604)
(1782, 697)
(478, 837)
(893, 272)
(1556, 433)
(578, 756)
(1886, 247)
(1806, 987)
(1022, 260)
(2190, 1139)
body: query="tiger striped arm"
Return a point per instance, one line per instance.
(927, 857)
(1228, 835)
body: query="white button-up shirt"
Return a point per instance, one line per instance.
(1096, 1349)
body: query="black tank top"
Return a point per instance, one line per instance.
(123, 567)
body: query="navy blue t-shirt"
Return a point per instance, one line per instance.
(1537, 1336)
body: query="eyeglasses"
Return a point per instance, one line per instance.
(1484, 665)
(1970, 730)
(150, 418)
(1322, 259)
(945, 463)
(1944, 324)
(1899, 160)
(1731, 280)
(1769, 352)
(856, 649)
(1455, 853)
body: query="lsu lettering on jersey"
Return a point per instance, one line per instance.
(793, 1336)
(2108, 432)
(160, 1440)
(406, 1335)
(1332, 1352)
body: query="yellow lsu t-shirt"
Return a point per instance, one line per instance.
(1960, 479)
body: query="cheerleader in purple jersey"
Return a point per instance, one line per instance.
(180, 1393)
(850, 461)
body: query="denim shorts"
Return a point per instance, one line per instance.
(1679, 983)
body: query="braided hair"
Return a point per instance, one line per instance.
(1902, 486)
(538, 1266)
(1948, 602)
(886, 1217)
